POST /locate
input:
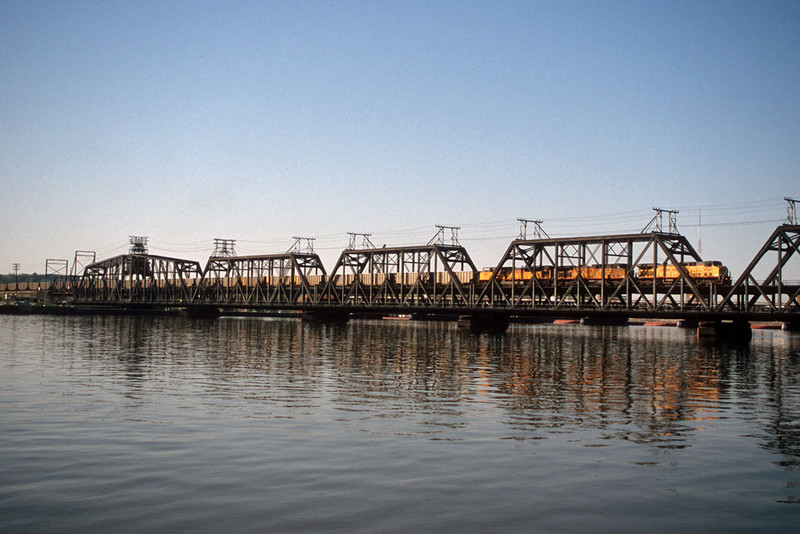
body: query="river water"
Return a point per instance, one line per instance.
(156, 424)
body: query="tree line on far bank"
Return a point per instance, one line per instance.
(24, 278)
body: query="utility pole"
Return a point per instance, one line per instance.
(699, 231)
(16, 277)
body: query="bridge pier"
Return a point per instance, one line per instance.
(421, 316)
(791, 326)
(688, 323)
(604, 321)
(202, 311)
(736, 331)
(325, 316)
(491, 323)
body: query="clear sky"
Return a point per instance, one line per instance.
(259, 121)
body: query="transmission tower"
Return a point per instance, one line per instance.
(297, 247)
(138, 245)
(656, 223)
(223, 248)
(440, 236)
(538, 231)
(365, 241)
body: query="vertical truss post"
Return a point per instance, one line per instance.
(791, 210)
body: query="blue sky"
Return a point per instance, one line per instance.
(259, 121)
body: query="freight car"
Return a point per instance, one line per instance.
(566, 274)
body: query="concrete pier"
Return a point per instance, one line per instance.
(604, 321)
(734, 331)
(488, 323)
(201, 311)
(325, 316)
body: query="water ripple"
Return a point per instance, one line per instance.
(140, 423)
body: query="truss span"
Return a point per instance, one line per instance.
(430, 276)
(632, 272)
(778, 292)
(134, 279)
(277, 280)
(656, 274)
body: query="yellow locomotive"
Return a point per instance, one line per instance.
(703, 272)
(700, 271)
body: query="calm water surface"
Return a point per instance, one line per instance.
(112, 424)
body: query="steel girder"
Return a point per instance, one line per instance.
(551, 274)
(434, 275)
(138, 279)
(774, 294)
(279, 279)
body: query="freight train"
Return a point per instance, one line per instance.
(701, 272)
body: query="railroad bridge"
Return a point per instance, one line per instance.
(655, 274)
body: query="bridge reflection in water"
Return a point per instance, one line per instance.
(646, 385)
(410, 425)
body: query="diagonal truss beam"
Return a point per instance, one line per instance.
(748, 294)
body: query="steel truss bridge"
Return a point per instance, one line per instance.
(440, 278)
